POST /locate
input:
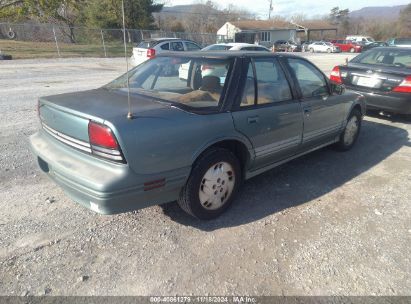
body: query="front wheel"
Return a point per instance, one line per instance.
(351, 131)
(312, 50)
(328, 51)
(352, 50)
(212, 185)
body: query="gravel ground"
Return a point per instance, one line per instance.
(328, 223)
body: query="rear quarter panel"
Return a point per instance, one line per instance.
(170, 138)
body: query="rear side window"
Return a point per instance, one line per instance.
(146, 44)
(192, 46)
(177, 46)
(165, 46)
(311, 80)
(272, 86)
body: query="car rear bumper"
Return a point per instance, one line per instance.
(101, 186)
(392, 102)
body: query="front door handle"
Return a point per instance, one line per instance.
(253, 119)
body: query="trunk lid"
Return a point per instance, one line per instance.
(375, 78)
(69, 114)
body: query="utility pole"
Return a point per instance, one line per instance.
(270, 9)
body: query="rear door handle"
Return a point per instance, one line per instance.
(307, 110)
(253, 119)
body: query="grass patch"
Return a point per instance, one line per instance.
(30, 50)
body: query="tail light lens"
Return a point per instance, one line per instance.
(103, 142)
(335, 75)
(404, 86)
(151, 53)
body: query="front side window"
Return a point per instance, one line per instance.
(193, 82)
(311, 80)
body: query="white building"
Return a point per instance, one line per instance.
(264, 32)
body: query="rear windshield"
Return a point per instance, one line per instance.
(191, 82)
(400, 57)
(403, 41)
(147, 44)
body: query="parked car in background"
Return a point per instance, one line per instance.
(382, 75)
(150, 48)
(347, 46)
(235, 46)
(192, 140)
(284, 46)
(364, 40)
(323, 47)
(220, 70)
(373, 45)
(305, 44)
(401, 42)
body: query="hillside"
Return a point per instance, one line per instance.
(373, 12)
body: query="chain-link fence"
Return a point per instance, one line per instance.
(34, 40)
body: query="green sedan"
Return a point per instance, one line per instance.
(191, 139)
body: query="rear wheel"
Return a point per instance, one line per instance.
(312, 50)
(212, 185)
(351, 131)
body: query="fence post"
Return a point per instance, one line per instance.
(57, 44)
(104, 44)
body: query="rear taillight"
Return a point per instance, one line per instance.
(335, 75)
(103, 142)
(151, 53)
(404, 86)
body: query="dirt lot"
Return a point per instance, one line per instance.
(326, 224)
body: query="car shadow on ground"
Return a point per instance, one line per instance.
(390, 116)
(303, 179)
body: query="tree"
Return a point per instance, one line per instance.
(340, 18)
(107, 13)
(404, 22)
(62, 12)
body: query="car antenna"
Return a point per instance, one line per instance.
(129, 114)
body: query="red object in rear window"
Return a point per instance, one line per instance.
(404, 86)
(151, 53)
(335, 75)
(101, 135)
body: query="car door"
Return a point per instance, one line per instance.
(323, 112)
(267, 112)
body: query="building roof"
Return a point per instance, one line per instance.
(315, 24)
(262, 24)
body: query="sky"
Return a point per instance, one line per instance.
(288, 8)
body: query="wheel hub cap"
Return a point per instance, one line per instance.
(217, 185)
(351, 130)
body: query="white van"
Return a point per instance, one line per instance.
(360, 39)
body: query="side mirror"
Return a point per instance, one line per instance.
(338, 89)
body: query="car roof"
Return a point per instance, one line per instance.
(166, 39)
(225, 54)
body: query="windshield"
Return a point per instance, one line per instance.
(387, 57)
(193, 82)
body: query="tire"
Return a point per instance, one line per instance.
(207, 199)
(350, 134)
(328, 51)
(352, 50)
(312, 50)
